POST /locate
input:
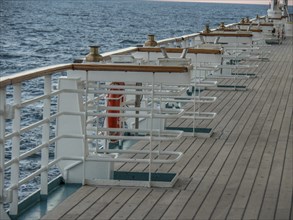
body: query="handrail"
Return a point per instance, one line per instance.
(43, 71)
(128, 68)
(256, 24)
(176, 39)
(179, 50)
(31, 74)
(227, 34)
(235, 30)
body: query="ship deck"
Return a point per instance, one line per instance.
(243, 171)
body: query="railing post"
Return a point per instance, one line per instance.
(3, 214)
(46, 136)
(192, 42)
(15, 148)
(85, 141)
(184, 42)
(151, 130)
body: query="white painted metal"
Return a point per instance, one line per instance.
(3, 197)
(228, 40)
(131, 183)
(46, 134)
(69, 124)
(144, 77)
(75, 92)
(195, 59)
(274, 11)
(197, 81)
(71, 147)
(73, 167)
(289, 28)
(151, 131)
(15, 147)
(190, 99)
(285, 11)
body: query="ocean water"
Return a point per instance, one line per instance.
(35, 33)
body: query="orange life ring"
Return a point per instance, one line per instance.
(115, 100)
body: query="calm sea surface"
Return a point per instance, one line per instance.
(37, 33)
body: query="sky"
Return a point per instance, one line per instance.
(264, 2)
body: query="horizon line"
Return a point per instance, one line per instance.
(243, 2)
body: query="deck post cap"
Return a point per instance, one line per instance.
(150, 41)
(93, 55)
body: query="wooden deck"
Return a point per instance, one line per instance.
(244, 171)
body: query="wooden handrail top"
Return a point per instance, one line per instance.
(43, 71)
(255, 24)
(179, 50)
(234, 29)
(227, 34)
(129, 68)
(31, 74)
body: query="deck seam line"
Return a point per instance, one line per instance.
(232, 147)
(275, 148)
(265, 146)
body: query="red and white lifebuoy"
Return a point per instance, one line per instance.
(114, 100)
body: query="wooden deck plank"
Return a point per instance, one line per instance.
(162, 205)
(147, 204)
(177, 205)
(197, 196)
(235, 179)
(131, 204)
(244, 127)
(252, 140)
(255, 200)
(272, 190)
(203, 188)
(286, 190)
(247, 182)
(228, 196)
(198, 159)
(70, 202)
(189, 152)
(244, 171)
(86, 203)
(117, 203)
(100, 204)
(262, 130)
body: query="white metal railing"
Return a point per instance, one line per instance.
(8, 110)
(11, 112)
